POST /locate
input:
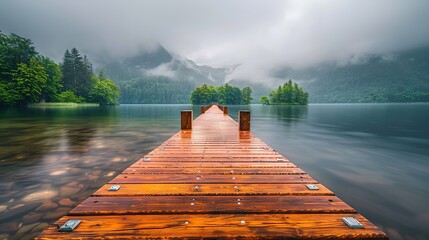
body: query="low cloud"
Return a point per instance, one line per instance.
(258, 36)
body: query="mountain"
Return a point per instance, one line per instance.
(161, 77)
(400, 77)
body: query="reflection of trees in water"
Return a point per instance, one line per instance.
(26, 141)
(80, 136)
(289, 114)
(30, 133)
(89, 122)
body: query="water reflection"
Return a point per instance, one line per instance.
(53, 158)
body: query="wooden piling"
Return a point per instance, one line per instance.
(244, 120)
(186, 120)
(225, 110)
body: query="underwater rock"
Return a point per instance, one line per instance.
(32, 218)
(26, 228)
(36, 196)
(47, 205)
(3, 208)
(66, 202)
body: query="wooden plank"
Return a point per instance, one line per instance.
(211, 189)
(212, 178)
(211, 204)
(198, 164)
(236, 226)
(226, 171)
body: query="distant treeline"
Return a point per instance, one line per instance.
(155, 89)
(28, 77)
(288, 93)
(225, 94)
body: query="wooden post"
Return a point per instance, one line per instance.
(186, 120)
(225, 110)
(203, 109)
(244, 120)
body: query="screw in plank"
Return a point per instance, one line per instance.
(242, 222)
(186, 222)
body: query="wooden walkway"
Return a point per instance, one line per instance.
(214, 182)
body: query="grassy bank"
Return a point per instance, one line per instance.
(60, 104)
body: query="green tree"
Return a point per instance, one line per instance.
(228, 94)
(204, 94)
(288, 93)
(77, 73)
(246, 95)
(264, 100)
(30, 80)
(104, 92)
(70, 97)
(53, 84)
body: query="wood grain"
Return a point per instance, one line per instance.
(231, 226)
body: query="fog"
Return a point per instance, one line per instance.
(258, 36)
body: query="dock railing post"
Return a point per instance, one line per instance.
(244, 120)
(225, 110)
(186, 120)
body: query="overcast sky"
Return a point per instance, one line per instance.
(259, 35)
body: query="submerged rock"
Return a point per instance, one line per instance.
(69, 191)
(66, 202)
(17, 211)
(47, 205)
(55, 214)
(26, 228)
(3, 208)
(32, 218)
(56, 173)
(41, 195)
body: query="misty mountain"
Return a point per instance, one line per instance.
(161, 63)
(401, 77)
(162, 77)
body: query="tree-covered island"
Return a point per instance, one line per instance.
(225, 94)
(288, 93)
(28, 77)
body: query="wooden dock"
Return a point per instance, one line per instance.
(213, 182)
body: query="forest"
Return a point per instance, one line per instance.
(28, 77)
(224, 94)
(288, 93)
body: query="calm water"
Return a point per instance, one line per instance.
(373, 156)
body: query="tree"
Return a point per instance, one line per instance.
(225, 94)
(30, 80)
(228, 94)
(246, 95)
(104, 92)
(70, 97)
(77, 72)
(53, 84)
(204, 94)
(264, 100)
(288, 93)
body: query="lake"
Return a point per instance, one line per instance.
(373, 156)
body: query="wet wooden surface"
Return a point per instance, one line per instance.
(213, 182)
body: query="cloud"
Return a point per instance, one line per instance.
(163, 70)
(258, 36)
